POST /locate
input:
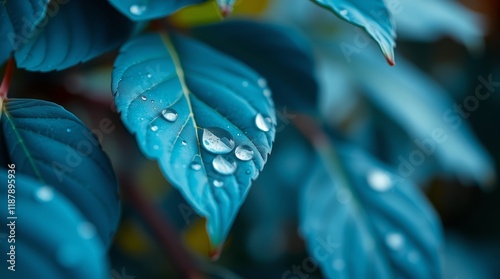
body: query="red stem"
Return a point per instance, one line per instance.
(9, 71)
(169, 239)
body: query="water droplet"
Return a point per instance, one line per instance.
(144, 98)
(338, 264)
(247, 171)
(44, 194)
(196, 164)
(379, 181)
(142, 118)
(224, 165)
(217, 140)
(262, 82)
(244, 152)
(184, 143)
(137, 9)
(218, 183)
(344, 12)
(86, 230)
(154, 128)
(68, 130)
(262, 123)
(149, 75)
(394, 240)
(245, 83)
(267, 92)
(156, 147)
(170, 115)
(343, 196)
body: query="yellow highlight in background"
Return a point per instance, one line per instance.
(209, 12)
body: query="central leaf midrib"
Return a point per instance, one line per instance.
(23, 146)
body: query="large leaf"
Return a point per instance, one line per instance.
(429, 20)
(373, 16)
(178, 96)
(433, 119)
(50, 144)
(52, 238)
(360, 221)
(61, 34)
(5, 29)
(150, 9)
(282, 56)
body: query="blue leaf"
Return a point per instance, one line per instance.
(373, 16)
(361, 221)
(51, 236)
(150, 9)
(50, 144)
(186, 102)
(282, 56)
(67, 33)
(432, 118)
(6, 30)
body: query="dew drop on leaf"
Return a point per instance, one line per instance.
(196, 164)
(267, 92)
(224, 165)
(184, 142)
(218, 183)
(394, 240)
(344, 12)
(262, 123)
(137, 9)
(262, 82)
(144, 98)
(379, 181)
(170, 114)
(217, 140)
(68, 130)
(154, 128)
(86, 230)
(244, 152)
(44, 194)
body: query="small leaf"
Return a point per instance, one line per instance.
(202, 115)
(372, 16)
(51, 145)
(360, 220)
(51, 236)
(150, 9)
(69, 32)
(282, 56)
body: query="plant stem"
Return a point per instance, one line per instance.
(167, 236)
(9, 70)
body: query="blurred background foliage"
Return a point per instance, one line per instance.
(441, 53)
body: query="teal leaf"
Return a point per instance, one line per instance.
(360, 220)
(51, 145)
(372, 16)
(433, 118)
(64, 33)
(52, 237)
(5, 29)
(279, 54)
(187, 104)
(139, 10)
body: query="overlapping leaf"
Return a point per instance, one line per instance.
(282, 56)
(51, 237)
(59, 34)
(150, 9)
(361, 221)
(51, 145)
(178, 96)
(5, 29)
(372, 16)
